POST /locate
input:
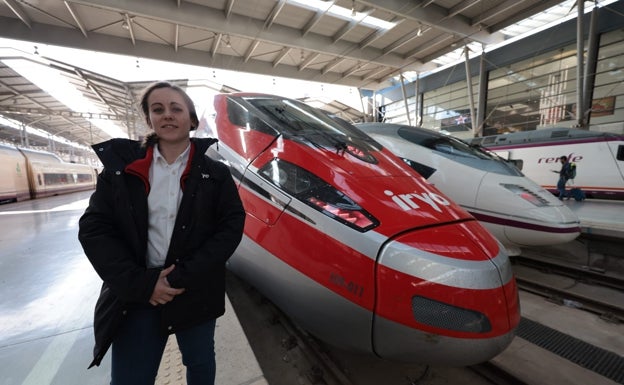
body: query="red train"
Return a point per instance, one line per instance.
(354, 245)
(30, 174)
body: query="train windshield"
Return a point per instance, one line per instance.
(459, 151)
(296, 120)
(445, 144)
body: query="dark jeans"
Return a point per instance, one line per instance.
(561, 187)
(139, 345)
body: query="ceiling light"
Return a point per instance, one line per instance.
(127, 21)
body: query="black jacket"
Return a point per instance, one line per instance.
(113, 234)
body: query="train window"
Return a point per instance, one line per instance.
(300, 122)
(455, 147)
(424, 170)
(559, 134)
(318, 194)
(519, 163)
(444, 148)
(85, 178)
(620, 152)
(237, 114)
(476, 141)
(489, 140)
(240, 116)
(52, 179)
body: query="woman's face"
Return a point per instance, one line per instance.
(169, 116)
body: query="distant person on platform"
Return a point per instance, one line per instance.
(162, 222)
(564, 175)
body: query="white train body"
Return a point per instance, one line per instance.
(512, 207)
(599, 158)
(30, 174)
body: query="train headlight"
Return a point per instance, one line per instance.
(318, 194)
(526, 194)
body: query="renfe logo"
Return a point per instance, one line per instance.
(571, 158)
(406, 201)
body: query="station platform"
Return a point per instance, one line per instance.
(49, 290)
(599, 217)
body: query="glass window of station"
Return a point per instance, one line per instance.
(539, 92)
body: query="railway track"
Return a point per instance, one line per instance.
(573, 282)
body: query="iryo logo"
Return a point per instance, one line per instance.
(406, 201)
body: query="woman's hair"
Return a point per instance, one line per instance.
(162, 84)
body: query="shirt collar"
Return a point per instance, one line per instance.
(182, 158)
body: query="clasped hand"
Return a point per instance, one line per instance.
(163, 292)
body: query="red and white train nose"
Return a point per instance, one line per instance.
(453, 288)
(354, 246)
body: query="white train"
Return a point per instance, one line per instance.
(512, 207)
(599, 158)
(29, 174)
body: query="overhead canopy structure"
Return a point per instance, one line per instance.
(106, 105)
(356, 43)
(363, 44)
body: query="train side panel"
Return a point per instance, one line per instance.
(60, 178)
(599, 172)
(14, 181)
(599, 157)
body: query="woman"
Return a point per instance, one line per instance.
(162, 222)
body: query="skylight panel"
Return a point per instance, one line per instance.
(527, 27)
(343, 13)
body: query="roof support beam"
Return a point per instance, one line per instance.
(274, 13)
(61, 113)
(75, 17)
(433, 14)
(17, 9)
(308, 60)
(281, 56)
(201, 17)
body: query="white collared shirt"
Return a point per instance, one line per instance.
(163, 201)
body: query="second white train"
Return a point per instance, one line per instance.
(516, 210)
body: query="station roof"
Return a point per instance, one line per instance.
(364, 44)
